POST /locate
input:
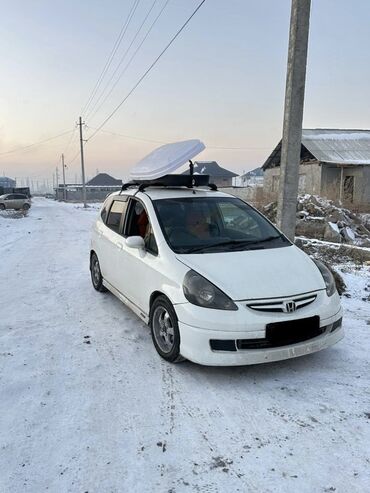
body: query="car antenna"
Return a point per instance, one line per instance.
(192, 180)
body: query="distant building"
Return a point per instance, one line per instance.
(97, 189)
(219, 176)
(104, 180)
(335, 163)
(6, 182)
(253, 178)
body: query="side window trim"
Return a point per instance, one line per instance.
(129, 217)
(106, 210)
(125, 225)
(130, 207)
(123, 198)
(123, 216)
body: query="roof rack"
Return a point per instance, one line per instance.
(188, 181)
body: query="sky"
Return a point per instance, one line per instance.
(222, 80)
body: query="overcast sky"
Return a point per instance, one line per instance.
(222, 80)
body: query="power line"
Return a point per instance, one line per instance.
(152, 141)
(239, 148)
(73, 159)
(70, 140)
(78, 153)
(112, 54)
(132, 57)
(149, 69)
(119, 64)
(131, 137)
(36, 143)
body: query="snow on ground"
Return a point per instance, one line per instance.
(86, 404)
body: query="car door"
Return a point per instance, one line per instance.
(138, 267)
(19, 201)
(111, 241)
(9, 202)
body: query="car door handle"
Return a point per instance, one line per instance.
(119, 246)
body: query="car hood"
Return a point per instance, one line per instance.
(256, 274)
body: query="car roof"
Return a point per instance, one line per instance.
(157, 193)
(171, 193)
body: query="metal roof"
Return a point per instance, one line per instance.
(336, 146)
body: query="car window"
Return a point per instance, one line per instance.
(138, 224)
(215, 224)
(237, 222)
(9, 197)
(117, 211)
(19, 196)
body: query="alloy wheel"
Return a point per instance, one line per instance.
(163, 329)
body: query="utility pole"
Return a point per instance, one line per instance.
(57, 182)
(64, 179)
(82, 163)
(293, 116)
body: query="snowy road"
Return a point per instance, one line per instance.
(104, 414)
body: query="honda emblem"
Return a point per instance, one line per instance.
(289, 307)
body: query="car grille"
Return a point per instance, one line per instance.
(285, 305)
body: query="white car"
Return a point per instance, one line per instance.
(215, 280)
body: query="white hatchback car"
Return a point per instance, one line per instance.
(215, 280)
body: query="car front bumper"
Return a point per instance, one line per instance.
(196, 337)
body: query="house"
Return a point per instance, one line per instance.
(6, 182)
(104, 180)
(8, 185)
(253, 178)
(96, 189)
(219, 176)
(334, 163)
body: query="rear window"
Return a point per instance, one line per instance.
(116, 213)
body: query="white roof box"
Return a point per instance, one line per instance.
(166, 159)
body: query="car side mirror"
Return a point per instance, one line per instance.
(135, 242)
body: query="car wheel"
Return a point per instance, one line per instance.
(2, 207)
(96, 277)
(26, 207)
(165, 330)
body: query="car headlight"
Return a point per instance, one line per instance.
(203, 293)
(328, 277)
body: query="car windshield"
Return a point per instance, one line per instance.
(215, 224)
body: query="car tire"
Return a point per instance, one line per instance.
(26, 207)
(96, 277)
(165, 330)
(2, 207)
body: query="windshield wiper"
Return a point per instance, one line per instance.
(230, 243)
(234, 244)
(219, 244)
(198, 249)
(265, 240)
